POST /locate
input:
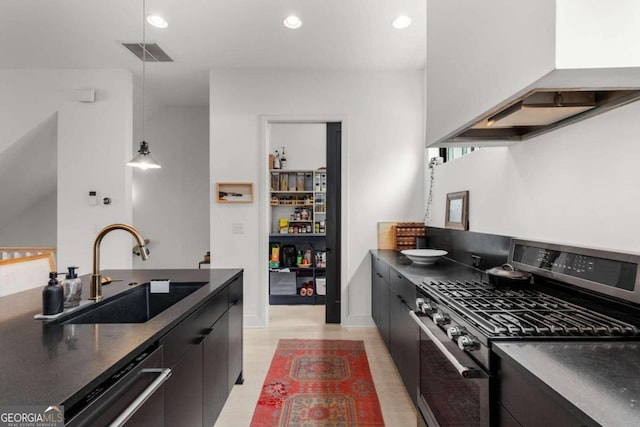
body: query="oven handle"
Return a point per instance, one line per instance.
(164, 375)
(464, 371)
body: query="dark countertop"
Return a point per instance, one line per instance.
(54, 364)
(598, 378)
(444, 269)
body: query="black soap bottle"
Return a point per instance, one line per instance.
(52, 296)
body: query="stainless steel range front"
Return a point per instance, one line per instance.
(576, 294)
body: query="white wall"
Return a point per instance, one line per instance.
(94, 143)
(171, 204)
(383, 159)
(597, 33)
(480, 53)
(305, 144)
(34, 227)
(577, 185)
(29, 169)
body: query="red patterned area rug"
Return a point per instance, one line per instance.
(318, 383)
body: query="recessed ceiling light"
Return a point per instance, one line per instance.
(401, 22)
(292, 22)
(157, 21)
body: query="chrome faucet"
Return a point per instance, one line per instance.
(95, 291)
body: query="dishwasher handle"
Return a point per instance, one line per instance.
(464, 371)
(163, 375)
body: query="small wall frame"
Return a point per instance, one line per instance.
(234, 192)
(457, 214)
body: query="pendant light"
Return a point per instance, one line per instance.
(144, 160)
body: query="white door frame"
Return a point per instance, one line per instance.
(264, 199)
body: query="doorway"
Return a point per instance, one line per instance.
(299, 160)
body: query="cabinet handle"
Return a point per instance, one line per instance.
(464, 371)
(199, 339)
(164, 374)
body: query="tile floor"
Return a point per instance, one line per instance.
(308, 322)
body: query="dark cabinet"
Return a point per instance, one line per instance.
(235, 332)
(523, 402)
(183, 390)
(215, 387)
(380, 296)
(404, 333)
(392, 296)
(299, 283)
(204, 351)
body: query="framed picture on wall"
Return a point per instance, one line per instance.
(234, 192)
(457, 214)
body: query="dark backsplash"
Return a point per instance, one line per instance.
(492, 248)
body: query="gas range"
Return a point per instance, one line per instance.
(577, 295)
(606, 286)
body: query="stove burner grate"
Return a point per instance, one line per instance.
(524, 312)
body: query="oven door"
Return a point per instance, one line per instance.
(454, 389)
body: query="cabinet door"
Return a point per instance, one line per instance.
(215, 388)
(183, 391)
(382, 289)
(375, 298)
(380, 296)
(521, 396)
(403, 344)
(235, 333)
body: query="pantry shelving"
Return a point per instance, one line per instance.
(298, 221)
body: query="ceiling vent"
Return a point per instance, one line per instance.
(154, 53)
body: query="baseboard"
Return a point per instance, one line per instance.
(254, 321)
(358, 321)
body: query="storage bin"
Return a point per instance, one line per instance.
(321, 285)
(282, 283)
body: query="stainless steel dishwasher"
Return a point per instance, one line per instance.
(133, 396)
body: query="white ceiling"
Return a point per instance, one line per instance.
(205, 34)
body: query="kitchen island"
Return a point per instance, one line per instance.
(59, 364)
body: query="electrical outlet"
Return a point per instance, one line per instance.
(476, 260)
(237, 228)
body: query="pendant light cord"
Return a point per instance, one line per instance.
(144, 59)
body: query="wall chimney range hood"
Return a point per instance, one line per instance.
(560, 98)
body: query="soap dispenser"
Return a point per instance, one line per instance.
(72, 288)
(52, 296)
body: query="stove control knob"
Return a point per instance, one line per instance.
(455, 332)
(468, 342)
(440, 318)
(425, 306)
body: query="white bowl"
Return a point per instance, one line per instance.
(424, 256)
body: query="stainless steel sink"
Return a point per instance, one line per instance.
(137, 305)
